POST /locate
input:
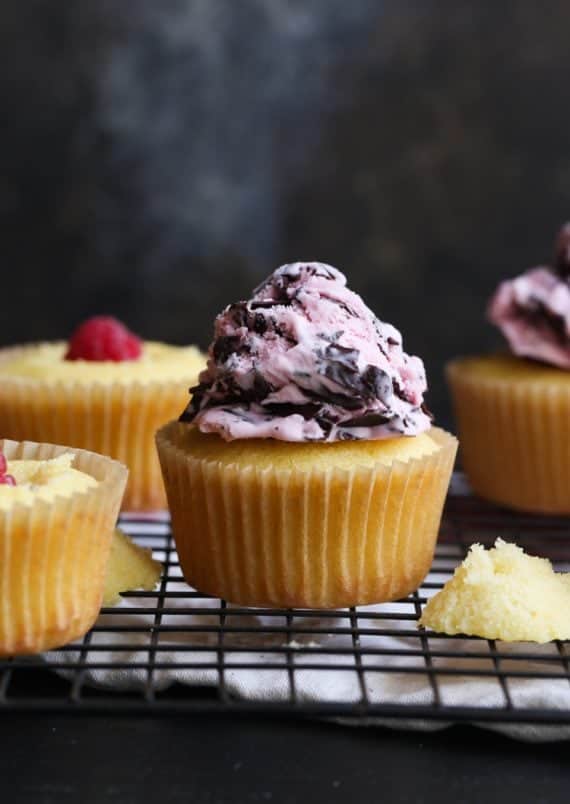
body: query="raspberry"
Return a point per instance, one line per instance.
(103, 338)
(5, 480)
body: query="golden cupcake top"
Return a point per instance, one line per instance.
(504, 369)
(304, 456)
(26, 482)
(102, 350)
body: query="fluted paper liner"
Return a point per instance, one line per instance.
(318, 539)
(114, 419)
(515, 439)
(53, 555)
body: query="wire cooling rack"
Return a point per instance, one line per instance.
(177, 650)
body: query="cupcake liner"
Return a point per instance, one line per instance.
(114, 419)
(515, 439)
(54, 554)
(316, 539)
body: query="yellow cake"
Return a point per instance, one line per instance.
(261, 522)
(502, 593)
(131, 567)
(43, 480)
(513, 417)
(112, 408)
(56, 526)
(158, 362)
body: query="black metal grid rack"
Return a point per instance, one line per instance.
(217, 642)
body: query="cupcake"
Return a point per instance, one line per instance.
(305, 471)
(105, 391)
(57, 515)
(513, 408)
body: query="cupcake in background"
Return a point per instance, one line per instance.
(513, 409)
(57, 514)
(106, 390)
(305, 471)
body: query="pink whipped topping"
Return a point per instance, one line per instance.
(306, 360)
(533, 310)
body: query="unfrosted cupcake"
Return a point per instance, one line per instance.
(305, 471)
(57, 514)
(106, 391)
(513, 409)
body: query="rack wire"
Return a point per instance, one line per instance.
(176, 650)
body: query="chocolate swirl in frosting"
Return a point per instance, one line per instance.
(306, 360)
(533, 309)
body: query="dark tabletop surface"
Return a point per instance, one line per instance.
(213, 760)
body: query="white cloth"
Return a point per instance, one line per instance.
(331, 684)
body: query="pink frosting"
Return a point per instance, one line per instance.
(306, 360)
(533, 313)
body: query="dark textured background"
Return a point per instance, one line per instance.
(158, 159)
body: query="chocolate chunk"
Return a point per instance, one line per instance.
(341, 375)
(538, 315)
(261, 387)
(368, 420)
(267, 304)
(239, 314)
(188, 414)
(239, 413)
(293, 270)
(285, 335)
(324, 423)
(198, 392)
(327, 397)
(344, 355)
(259, 324)
(343, 306)
(225, 346)
(279, 280)
(331, 337)
(346, 435)
(378, 382)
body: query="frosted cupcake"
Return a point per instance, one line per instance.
(513, 409)
(305, 471)
(106, 391)
(57, 514)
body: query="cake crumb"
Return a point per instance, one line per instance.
(505, 594)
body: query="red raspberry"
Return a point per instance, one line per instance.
(103, 338)
(6, 480)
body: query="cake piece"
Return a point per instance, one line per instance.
(130, 567)
(502, 593)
